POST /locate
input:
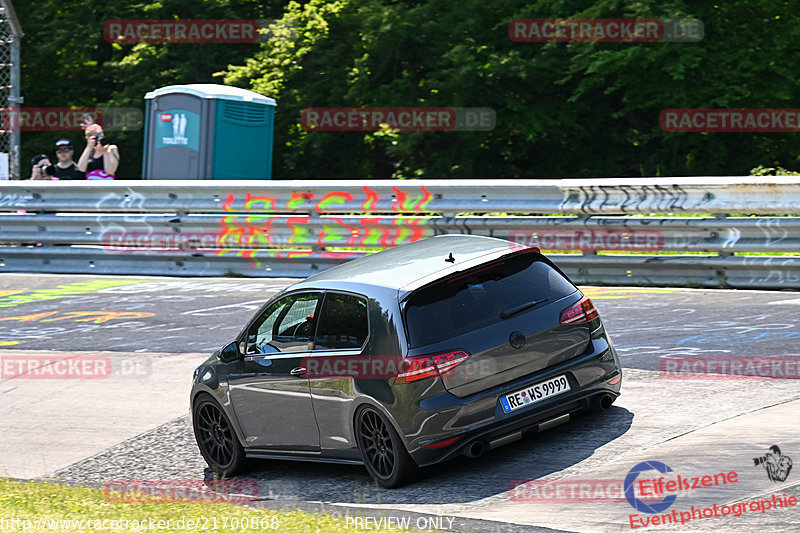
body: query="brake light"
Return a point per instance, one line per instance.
(582, 311)
(430, 366)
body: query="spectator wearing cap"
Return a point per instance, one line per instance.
(99, 159)
(40, 167)
(66, 168)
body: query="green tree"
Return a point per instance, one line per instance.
(563, 109)
(66, 61)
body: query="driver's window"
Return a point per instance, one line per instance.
(285, 326)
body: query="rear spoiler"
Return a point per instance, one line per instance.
(484, 261)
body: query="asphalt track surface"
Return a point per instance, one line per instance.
(134, 426)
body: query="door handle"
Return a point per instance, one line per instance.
(299, 371)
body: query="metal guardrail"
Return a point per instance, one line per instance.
(756, 195)
(633, 233)
(298, 228)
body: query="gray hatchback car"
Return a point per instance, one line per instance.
(448, 346)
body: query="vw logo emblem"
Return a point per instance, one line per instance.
(516, 339)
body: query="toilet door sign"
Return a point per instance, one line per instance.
(178, 127)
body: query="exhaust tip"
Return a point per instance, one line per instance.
(603, 402)
(475, 449)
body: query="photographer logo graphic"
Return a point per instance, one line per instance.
(777, 465)
(639, 504)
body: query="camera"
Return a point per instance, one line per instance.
(102, 140)
(761, 460)
(47, 170)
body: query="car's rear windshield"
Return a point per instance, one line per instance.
(476, 299)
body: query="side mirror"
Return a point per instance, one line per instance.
(229, 353)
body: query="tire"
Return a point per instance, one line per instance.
(384, 454)
(216, 438)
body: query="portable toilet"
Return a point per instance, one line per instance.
(207, 132)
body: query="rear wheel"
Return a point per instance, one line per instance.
(216, 439)
(384, 454)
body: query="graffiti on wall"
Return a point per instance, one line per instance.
(251, 222)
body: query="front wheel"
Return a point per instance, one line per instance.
(384, 454)
(216, 439)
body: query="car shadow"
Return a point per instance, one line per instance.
(460, 480)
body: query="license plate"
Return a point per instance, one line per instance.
(535, 393)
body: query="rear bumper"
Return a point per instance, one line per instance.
(480, 417)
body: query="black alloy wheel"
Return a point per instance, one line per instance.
(382, 450)
(216, 439)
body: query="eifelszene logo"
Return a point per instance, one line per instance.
(777, 465)
(653, 488)
(637, 503)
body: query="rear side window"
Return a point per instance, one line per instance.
(475, 300)
(342, 322)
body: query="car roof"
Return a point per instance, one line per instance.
(409, 265)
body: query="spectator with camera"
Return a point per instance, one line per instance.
(41, 169)
(100, 158)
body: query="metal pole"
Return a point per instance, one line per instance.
(14, 101)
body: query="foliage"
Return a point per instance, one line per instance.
(67, 62)
(562, 109)
(778, 171)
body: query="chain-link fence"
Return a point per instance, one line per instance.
(10, 36)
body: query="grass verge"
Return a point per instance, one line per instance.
(33, 506)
